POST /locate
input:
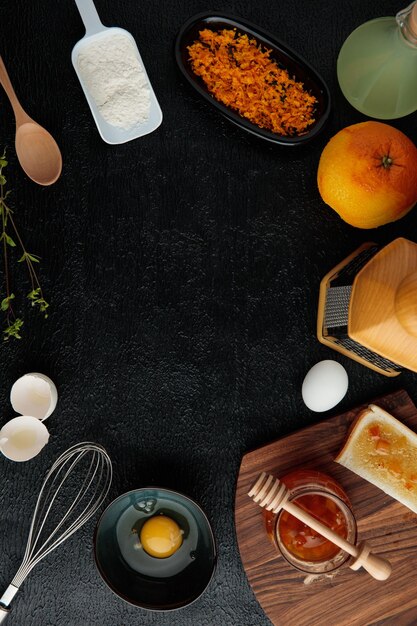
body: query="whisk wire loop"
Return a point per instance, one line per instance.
(89, 497)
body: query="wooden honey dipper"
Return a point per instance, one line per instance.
(273, 495)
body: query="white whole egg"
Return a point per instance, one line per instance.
(324, 385)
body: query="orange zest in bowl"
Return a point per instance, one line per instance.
(242, 76)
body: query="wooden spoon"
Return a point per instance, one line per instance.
(36, 149)
(270, 493)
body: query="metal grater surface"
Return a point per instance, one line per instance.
(337, 306)
(348, 273)
(368, 355)
(336, 312)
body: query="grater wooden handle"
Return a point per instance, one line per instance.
(273, 495)
(406, 300)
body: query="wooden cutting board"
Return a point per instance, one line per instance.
(350, 598)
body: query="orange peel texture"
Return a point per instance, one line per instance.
(242, 76)
(368, 174)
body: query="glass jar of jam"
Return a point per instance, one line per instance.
(301, 546)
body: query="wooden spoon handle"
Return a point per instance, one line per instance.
(20, 115)
(273, 495)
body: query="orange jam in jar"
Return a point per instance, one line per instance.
(301, 546)
(304, 542)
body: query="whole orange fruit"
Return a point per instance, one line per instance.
(368, 174)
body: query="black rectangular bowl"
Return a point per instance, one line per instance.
(281, 53)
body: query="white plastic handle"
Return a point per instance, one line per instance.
(89, 16)
(5, 600)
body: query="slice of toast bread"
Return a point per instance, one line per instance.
(382, 450)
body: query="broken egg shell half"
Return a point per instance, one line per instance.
(23, 437)
(34, 394)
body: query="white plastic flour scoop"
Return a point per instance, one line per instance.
(114, 80)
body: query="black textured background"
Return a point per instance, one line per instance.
(183, 273)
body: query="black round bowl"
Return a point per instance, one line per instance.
(145, 581)
(280, 52)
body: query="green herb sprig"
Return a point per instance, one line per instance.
(35, 295)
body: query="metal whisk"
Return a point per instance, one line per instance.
(73, 490)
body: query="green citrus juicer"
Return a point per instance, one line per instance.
(377, 66)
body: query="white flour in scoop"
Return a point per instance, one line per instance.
(115, 79)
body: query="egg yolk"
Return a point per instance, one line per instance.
(161, 536)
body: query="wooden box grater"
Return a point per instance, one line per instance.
(368, 307)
